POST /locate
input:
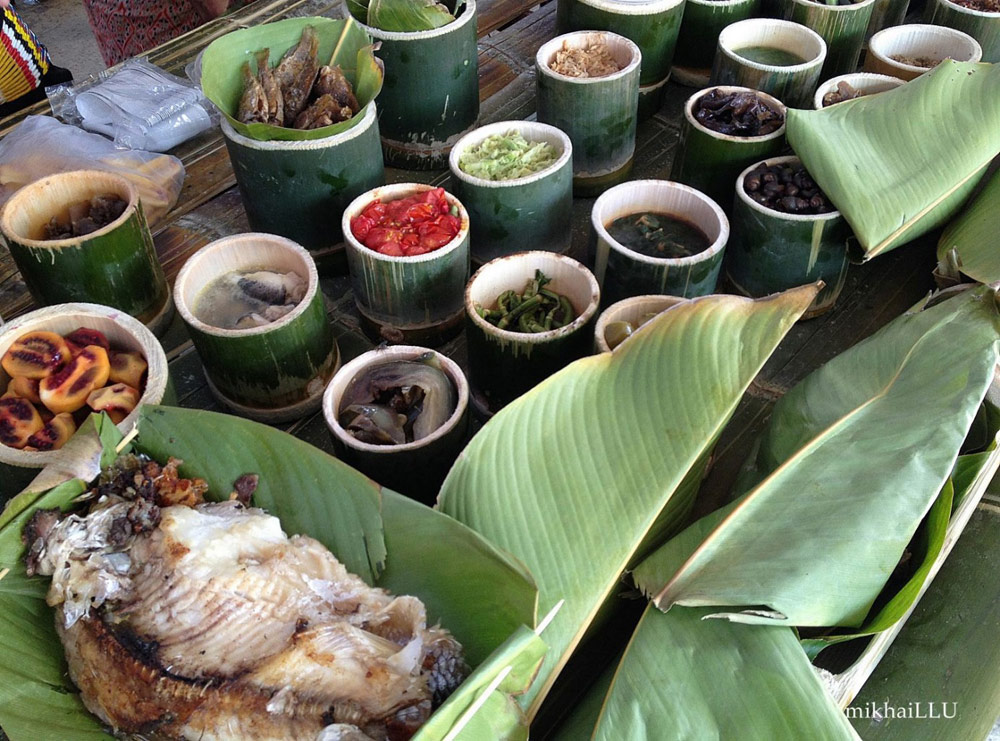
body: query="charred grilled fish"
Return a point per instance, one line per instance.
(208, 622)
(296, 73)
(271, 89)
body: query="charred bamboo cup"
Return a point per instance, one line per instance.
(507, 215)
(430, 95)
(710, 161)
(623, 272)
(276, 372)
(598, 114)
(19, 467)
(701, 25)
(981, 25)
(408, 299)
(504, 364)
(299, 188)
(918, 40)
(115, 265)
(842, 27)
(653, 25)
(793, 84)
(867, 83)
(416, 469)
(772, 251)
(617, 322)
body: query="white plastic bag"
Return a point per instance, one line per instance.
(41, 146)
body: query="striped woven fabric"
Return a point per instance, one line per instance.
(23, 60)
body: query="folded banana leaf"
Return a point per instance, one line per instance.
(482, 594)
(341, 42)
(402, 15)
(852, 460)
(940, 680)
(968, 245)
(901, 163)
(572, 477)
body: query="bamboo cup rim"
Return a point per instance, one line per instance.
(618, 44)
(774, 213)
(769, 99)
(533, 131)
(465, 16)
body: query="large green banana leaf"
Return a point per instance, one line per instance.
(341, 42)
(572, 476)
(311, 493)
(852, 460)
(973, 237)
(946, 659)
(901, 163)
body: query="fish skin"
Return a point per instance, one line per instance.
(253, 102)
(297, 71)
(331, 81)
(272, 91)
(326, 111)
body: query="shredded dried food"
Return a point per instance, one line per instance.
(925, 62)
(737, 113)
(87, 216)
(984, 6)
(594, 60)
(200, 619)
(787, 188)
(507, 156)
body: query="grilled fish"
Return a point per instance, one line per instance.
(271, 89)
(331, 81)
(208, 622)
(253, 102)
(297, 71)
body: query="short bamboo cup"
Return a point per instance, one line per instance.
(271, 373)
(18, 467)
(982, 25)
(620, 320)
(115, 265)
(866, 83)
(916, 40)
(792, 83)
(599, 114)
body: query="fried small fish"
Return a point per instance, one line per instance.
(326, 111)
(272, 91)
(331, 81)
(253, 103)
(296, 73)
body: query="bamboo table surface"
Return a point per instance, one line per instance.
(510, 33)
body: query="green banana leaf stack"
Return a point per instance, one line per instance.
(588, 476)
(902, 163)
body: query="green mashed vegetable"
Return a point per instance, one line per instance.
(507, 156)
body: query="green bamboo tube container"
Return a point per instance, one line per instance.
(505, 364)
(599, 114)
(274, 373)
(507, 215)
(771, 251)
(623, 272)
(653, 26)
(886, 13)
(292, 188)
(430, 94)
(19, 467)
(115, 265)
(634, 311)
(710, 161)
(794, 84)
(408, 299)
(701, 25)
(842, 27)
(918, 40)
(867, 83)
(984, 27)
(415, 469)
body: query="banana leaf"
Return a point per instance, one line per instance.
(341, 42)
(835, 489)
(973, 237)
(408, 15)
(901, 163)
(572, 476)
(311, 493)
(946, 660)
